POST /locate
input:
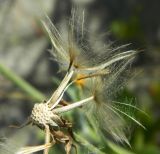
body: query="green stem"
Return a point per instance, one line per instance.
(21, 83)
(91, 147)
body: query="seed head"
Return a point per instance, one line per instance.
(100, 71)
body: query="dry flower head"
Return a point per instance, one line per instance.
(97, 72)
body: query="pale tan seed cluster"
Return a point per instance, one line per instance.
(42, 115)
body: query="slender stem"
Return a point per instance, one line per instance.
(47, 139)
(72, 106)
(18, 81)
(55, 97)
(60, 97)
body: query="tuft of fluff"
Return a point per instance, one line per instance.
(76, 51)
(104, 68)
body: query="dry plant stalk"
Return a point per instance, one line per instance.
(96, 72)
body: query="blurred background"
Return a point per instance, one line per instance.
(24, 50)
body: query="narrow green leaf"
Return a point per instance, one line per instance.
(118, 149)
(21, 83)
